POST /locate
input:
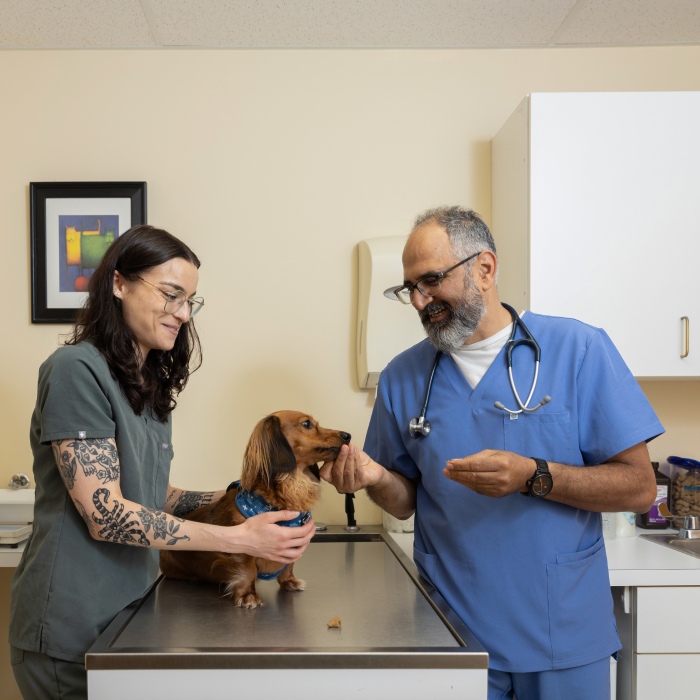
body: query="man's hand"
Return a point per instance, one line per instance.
(352, 470)
(493, 473)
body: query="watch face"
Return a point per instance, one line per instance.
(541, 485)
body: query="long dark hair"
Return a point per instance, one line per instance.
(164, 374)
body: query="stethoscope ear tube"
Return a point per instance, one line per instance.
(511, 344)
(420, 427)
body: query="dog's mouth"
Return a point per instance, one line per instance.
(313, 472)
(328, 452)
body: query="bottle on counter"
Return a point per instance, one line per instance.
(653, 520)
(624, 524)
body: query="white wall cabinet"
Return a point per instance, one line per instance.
(658, 626)
(596, 216)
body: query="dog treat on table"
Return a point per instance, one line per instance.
(334, 622)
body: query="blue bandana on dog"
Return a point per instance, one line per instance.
(251, 504)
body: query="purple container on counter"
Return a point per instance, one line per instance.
(653, 520)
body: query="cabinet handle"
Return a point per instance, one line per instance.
(686, 331)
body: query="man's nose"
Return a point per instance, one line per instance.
(420, 300)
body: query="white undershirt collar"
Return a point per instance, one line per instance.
(474, 359)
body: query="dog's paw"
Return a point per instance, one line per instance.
(249, 600)
(293, 584)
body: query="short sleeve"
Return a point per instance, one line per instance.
(73, 400)
(384, 443)
(614, 412)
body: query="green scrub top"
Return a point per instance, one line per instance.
(68, 587)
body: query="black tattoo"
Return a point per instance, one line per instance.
(117, 527)
(162, 527)
(66, 465)
(97, 456)
(191, 500)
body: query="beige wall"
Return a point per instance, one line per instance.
(272, 165)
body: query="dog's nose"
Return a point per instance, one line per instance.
(346, 437)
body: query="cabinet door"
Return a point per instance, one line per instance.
(667, 676)
(614, 220)
(668, 620)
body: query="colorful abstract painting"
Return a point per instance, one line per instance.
(82, 241)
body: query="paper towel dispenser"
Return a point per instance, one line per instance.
(384, 327)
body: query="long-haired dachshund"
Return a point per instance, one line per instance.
(280, 472)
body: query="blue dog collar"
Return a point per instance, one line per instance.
(251, 504)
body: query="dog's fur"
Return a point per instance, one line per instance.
(280, 464)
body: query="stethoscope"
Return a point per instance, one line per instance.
(420, 426)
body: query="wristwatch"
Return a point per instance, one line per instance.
(541, 482)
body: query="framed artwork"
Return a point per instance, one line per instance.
(72, 224)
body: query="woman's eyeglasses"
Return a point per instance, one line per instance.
(175, 300)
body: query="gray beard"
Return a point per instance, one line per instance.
(451, 334)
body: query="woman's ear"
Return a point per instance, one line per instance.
(117, 285)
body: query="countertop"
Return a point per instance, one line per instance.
(632, 561)
(10, 556)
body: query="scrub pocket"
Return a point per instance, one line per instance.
(580, 606)
(426, 563)
(550, 436)
(163, 456)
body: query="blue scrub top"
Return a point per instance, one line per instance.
(529, 577)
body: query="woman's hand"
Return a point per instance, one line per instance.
(262, 537)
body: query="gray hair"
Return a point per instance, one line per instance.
(466, 230)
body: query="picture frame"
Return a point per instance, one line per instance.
(72, 224)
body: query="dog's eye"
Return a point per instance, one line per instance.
(307, 424)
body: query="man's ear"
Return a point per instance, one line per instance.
(485, 270)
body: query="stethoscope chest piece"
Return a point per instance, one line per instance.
(419, 427)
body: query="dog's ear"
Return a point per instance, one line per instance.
(268, 453)
(282, 457)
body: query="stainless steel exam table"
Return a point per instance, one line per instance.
(398, 638)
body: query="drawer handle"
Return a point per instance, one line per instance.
(686, 331)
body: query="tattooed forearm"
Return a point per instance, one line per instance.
(96, 456)
(163, 527)
(66, 465)
(117, 527)
(191, 500)
(126, 529)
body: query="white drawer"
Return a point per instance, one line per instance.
(672, 676)
(668, 620)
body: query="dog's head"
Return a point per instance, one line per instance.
(285, 448)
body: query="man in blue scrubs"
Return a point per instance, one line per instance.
(507, 505)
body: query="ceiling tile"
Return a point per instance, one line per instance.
(71, 24)
(632, 22)
(358, 23)
(89, 24)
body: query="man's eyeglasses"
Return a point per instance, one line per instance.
(428, 286)
(175, 300)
